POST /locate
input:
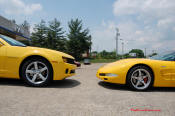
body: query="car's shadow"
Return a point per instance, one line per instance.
(125, 88)
(66, 83)
(113, 86)
(11, 82)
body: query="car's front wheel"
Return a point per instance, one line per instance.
(140, 78)
(37, 72)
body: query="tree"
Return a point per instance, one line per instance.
(25, 25)
(56, 39)
(39, 36)
(108, 55)
(79, 40)
(126, 55)
(138, 52)
(13, 21)
(153, 54)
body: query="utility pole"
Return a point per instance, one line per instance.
(122, 48)
(90, 45)
(145, 52)
(117, 35)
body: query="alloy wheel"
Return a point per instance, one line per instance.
(140, 79)
(37, 72)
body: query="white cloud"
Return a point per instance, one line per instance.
(166, 22)
(143, 24)
(154, 8)
(104, 36)
(173, 29)
(18, 7)
(126, 7)
(150, 23)
(138, 32)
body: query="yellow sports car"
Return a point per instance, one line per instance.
(141, 74)
(36, 66)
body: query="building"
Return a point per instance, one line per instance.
(9, 28)
(134, 55)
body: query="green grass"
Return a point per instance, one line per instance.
(103, 60)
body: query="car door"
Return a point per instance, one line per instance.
(168, 69)
(173, 70)
(171, 65)
(2, 58)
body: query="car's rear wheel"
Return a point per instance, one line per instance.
(140, 78)
(37, 72)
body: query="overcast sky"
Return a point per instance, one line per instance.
(143, 24)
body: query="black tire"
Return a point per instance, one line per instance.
(130, 79)
(26, 77)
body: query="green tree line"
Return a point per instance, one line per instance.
(112, 55)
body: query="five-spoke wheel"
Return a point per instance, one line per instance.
(37, 72)
(140, 78)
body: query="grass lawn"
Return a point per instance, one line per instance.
(103, 60)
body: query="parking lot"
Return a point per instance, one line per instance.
(83, 95)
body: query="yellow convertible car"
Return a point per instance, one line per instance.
(36, 66)
(141, 74)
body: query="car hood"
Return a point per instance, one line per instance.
(126, 61)
(51, 51)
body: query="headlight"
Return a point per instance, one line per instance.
(111, 75)
(65, 59)
(68, 60)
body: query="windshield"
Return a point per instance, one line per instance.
(12, 41)
(167, 56)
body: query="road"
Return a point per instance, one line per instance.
(83, 95)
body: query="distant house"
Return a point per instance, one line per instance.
(9, 28)
(133, 54)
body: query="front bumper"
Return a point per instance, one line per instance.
(69, 70)
(63, 70)
(103, 75)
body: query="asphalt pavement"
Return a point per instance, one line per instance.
(83, 95)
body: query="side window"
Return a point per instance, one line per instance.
(174, 58)
(170, 58)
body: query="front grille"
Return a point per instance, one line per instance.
(67, 70)
(72, 71)
(102, 74)
(70, 61)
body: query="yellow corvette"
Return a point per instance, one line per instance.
(36, 66)
(141, 74)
